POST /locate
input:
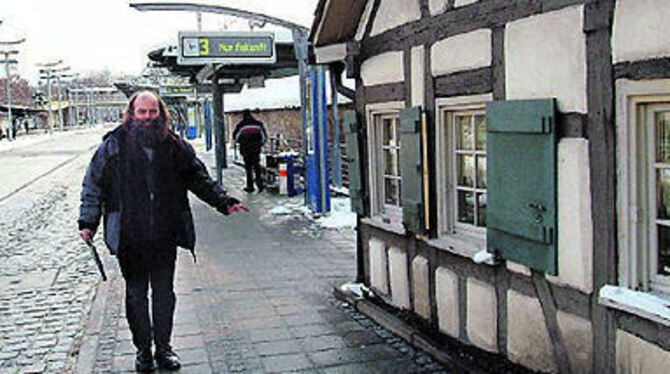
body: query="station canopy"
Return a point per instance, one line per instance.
(234, 76)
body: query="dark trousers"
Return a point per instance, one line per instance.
(160, 274)
(252, 165)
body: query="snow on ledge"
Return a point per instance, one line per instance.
(642, 304)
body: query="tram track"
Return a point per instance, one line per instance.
(45, 174)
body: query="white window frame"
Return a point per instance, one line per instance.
(636, 222)
(379, 212)
(462, 239)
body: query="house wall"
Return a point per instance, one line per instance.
(570, 50)
(640, 53)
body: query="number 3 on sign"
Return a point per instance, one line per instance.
(204, 46)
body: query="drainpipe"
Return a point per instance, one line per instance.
(336, 74)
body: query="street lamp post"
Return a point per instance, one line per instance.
(7, 61)
(60, 97)
(48, 70)
(70, 78)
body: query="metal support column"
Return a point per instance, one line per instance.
(217, 106)
(321, 112)
(60, 104)
(300, 48)
(337, 157)
(10, 127)
(89, 113)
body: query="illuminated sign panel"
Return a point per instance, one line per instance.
(198, 48)
(168, 91)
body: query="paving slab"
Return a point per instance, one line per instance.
(259, 298)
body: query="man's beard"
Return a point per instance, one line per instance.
(148, 133)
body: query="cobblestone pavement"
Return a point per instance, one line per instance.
(259, 300)
(47, 279)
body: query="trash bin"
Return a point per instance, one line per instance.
(288, 171)
(191, 132)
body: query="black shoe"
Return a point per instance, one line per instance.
(144, 362)
(167, 359)
(260, 189)
(249, 190)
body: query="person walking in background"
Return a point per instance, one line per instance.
(138, 180)
(250, 134)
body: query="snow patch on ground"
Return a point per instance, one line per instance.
(281, 211)
(340, 215)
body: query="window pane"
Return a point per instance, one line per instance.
(388, 131)
(481, 212)
(663, 194)
(391, 192)
(466, 170)
(466, 207)
(480, 125)
(663, 250)
(391, 162)
(663, 137)
(481, 171)
(464, 135)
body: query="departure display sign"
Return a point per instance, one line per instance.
(171, 91)
(228, 48)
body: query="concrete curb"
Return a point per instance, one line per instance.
(88, 349)
(408, 333)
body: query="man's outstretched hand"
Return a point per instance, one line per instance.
(86, 235)
(237, 207)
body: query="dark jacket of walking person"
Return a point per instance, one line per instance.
(137, 182)
(250, 134)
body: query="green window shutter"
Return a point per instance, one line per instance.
(410, 169)
(353, 155)
(521, 175)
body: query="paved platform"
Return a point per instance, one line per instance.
(258, 300)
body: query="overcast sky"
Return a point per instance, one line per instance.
(92, 35)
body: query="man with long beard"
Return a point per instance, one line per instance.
(138, 180)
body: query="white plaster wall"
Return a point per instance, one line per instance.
(482, 320)
(378, 266)
(418, 82)
(399, 278)
(575, 224)
(528, 342)
(577, 335)
(467, 51)
(459, 3)
(421, 286)
(384, 68)
(446, 295)
(393, 13)
(640, 30)
(365, 18)
(437, 6)
(636, 356)
(545, 56)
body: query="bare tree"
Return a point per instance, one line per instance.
(22, 94)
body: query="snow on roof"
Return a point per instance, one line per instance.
(277, 93)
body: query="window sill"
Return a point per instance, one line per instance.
(378, 223)
(642, 304)
(465, 246)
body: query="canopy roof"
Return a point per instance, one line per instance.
(286, 65)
